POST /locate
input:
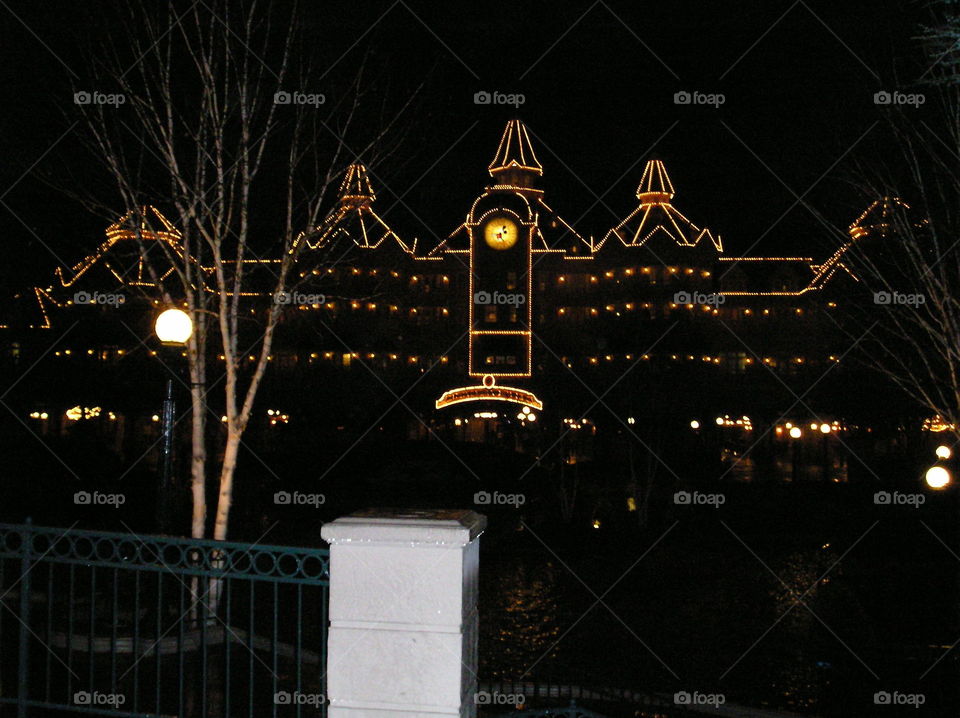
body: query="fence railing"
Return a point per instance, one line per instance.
(126, 625)
(492, 693)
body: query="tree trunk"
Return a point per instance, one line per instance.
(223, 511)
(226, 483)
(198, 462)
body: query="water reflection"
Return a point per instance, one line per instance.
(755, 464)
(799, 678)
(701, 618)
(520, 617)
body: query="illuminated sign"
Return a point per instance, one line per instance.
(489, 391)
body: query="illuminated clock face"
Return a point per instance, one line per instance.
(500, 232)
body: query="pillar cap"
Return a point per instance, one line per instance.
(453, 528)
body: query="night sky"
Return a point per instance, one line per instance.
(599, 83)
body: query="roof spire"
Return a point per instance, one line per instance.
(657, 216)
(878, 218)
(515, 153)
(655, 185)
(356, 189)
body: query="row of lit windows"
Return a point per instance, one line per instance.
(101, 354)
(373, 306)
(86, 413)
(562, 311)
(346, 357)
(740, 359)
(617, 309)
(563, 278)
(439, 280)
(634, 272)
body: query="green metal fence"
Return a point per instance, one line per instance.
(572, 711)
(126, 625)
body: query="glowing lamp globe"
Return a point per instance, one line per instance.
(825, 428)
(173, 326)
(937, 477)
(944, 452)
(795, 432)
(694, 424)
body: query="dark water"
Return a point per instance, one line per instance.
(789, 611)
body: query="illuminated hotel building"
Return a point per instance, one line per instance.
(515, 304)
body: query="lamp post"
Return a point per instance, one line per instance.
(796, 433)
(173, 328)
(825, 430)
(939, 476)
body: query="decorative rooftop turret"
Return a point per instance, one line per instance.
(356, 190)
(132, 231)
(656, 216)
(878, 218)
(354, 218)
(515, 165)
(655, 185)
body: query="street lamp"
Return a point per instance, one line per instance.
(173, 328)
(937, 477)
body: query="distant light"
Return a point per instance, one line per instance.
(155, 417)
(532, 416)
(938, 477)
(526, 410)
(796, 432)
(174, 326)
(719, 421)
(944, 452)
(596, 523)
(631, 420)
(457, 422)
(694, 424)
(813, 426)
(788, 425)
(825, 428)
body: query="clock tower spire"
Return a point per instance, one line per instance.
(515, 165)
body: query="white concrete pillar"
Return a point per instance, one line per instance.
(403, 614)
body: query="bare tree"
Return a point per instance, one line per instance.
(218, 121)
(905, 249)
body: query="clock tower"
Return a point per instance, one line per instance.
(501, 228)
